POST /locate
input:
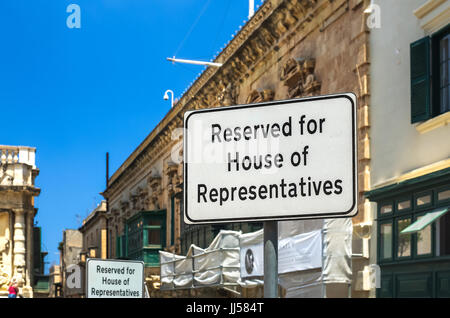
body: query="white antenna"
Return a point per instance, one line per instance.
(251, 8)
(173, 59)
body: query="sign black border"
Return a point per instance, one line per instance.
(281, 217)
(117, 261)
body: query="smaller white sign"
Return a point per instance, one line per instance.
(114, 279)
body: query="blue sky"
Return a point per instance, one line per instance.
(75, 94)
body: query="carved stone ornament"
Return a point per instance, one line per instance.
(125, 207)
(4, 244)
(267, 95)
(298, 76)
(4, 279)
(227, 95)
(253, 97)
(135, 204)
(143, 199)
(262, 96)
(154, 182)
(171, 170)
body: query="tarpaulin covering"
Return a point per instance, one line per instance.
(300, 252)
(337, 250)
(311, 253)
(215, 265)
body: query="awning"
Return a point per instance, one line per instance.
(425, 220)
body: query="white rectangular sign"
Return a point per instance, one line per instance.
(292, 159)
(114, 279)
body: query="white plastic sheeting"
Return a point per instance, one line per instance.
(296, 253)
(218, 264)
(337, 251)
(300, 252)
(312, 253)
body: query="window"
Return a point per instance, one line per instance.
(386, 241)
(404, 205)
(417, 228)
(154, 232)
(134, 237)
(154, 236)
(444, 195)
(444, 64)
(430, 90)
(424, 239)
(403, 240)
(423, 200)
(443, 235)
(92, 252)
(387, 208)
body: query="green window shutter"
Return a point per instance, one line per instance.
(117, 246)
(172, 220)
(420, 80)
(124, 245)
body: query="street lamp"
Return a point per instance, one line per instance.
(166, 96)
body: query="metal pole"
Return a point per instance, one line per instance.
(107, 207)
(173, 59)
(270, 259)
(251, 8)
(324, 288)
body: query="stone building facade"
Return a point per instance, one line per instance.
(71, 274)
(288, 49)
(17, 192)
(94, 237)
(94, 231)
(410, 166)
(55, 282)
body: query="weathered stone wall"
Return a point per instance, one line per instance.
(291, 48)
(17, 192)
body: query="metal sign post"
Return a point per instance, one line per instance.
(270, 259)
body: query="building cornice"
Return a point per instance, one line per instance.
(427, 7)
(416, 173)
(269, 27)
(91, 220)
(434, 123)
(21, 188)
(433, 15)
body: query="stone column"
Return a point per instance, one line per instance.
(19, 251)
(19, 247)
(29, 254)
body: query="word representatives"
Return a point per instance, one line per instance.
(305, 186)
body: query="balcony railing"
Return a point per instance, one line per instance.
(17, 154)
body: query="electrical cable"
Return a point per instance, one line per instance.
(192, 27)
(213, 44)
